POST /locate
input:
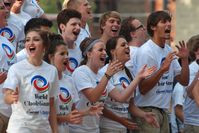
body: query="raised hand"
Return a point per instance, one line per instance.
(183, 51)
(150, 118)
(96, 109)
(167, 61)
(144, 71)
(128, 123)
(114, 67)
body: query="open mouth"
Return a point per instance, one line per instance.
(167, 31)
(76, 33)
(102, 59)
(114, 30)
(32, 49)
(65, 62)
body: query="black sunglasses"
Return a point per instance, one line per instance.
(7, 4)
(141, 26)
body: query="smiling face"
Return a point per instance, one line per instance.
(111, 27)
(34, 45)
(60, 58)
(140, 31)
(71, 30)
(122, 51)
(97, 55)
(85, 9)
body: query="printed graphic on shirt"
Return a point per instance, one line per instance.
(164, 81)
(7, 33)
(64, 96)
(124, 82)
(40, 83)
(72, 65)
(9, 53)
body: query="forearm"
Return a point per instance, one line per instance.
(94, 94)
(52, 117)
(191, 86)
(184, 76)
(134, 110)
(148, 83)
(110, 115)
(195, 92)
(129, 91)
(179, 112)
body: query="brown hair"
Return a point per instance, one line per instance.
(193, 46)
(108, 15)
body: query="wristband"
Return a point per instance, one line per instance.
(107, 76)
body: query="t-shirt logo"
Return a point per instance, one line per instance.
(124, 82)
(7, 33)
(40, 83)
(72, 65)
(9, 52)
(64, 95)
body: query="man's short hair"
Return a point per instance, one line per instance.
(156, 17)
(36, 23)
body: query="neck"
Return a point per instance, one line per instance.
(35, 62)
(60, 75)
(159, 41)
(94, 68)
(104, 38)
(83, 24)
(69, 43)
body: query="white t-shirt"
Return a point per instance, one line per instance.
(84, 32)
(84, 78)
(191, 110)
(177, 99)
(37, 84)
(7, 58)
(131, 63)
(24, 17)
(67, 96)
(14, 31)
(75, 58)
(121, 81)
(21, 55)
(153, 55)
(32, 8)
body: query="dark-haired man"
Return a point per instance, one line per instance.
(154, 93)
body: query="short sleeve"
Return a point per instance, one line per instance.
(81, 80)
(178, 93)
(55, 85)
(12, 80)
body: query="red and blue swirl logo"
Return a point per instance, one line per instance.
(40, 83)
(64, 95)
(125, 82)
(72, 65)
(9, 52)
(7, 33)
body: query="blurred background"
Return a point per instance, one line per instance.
(185, 13)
